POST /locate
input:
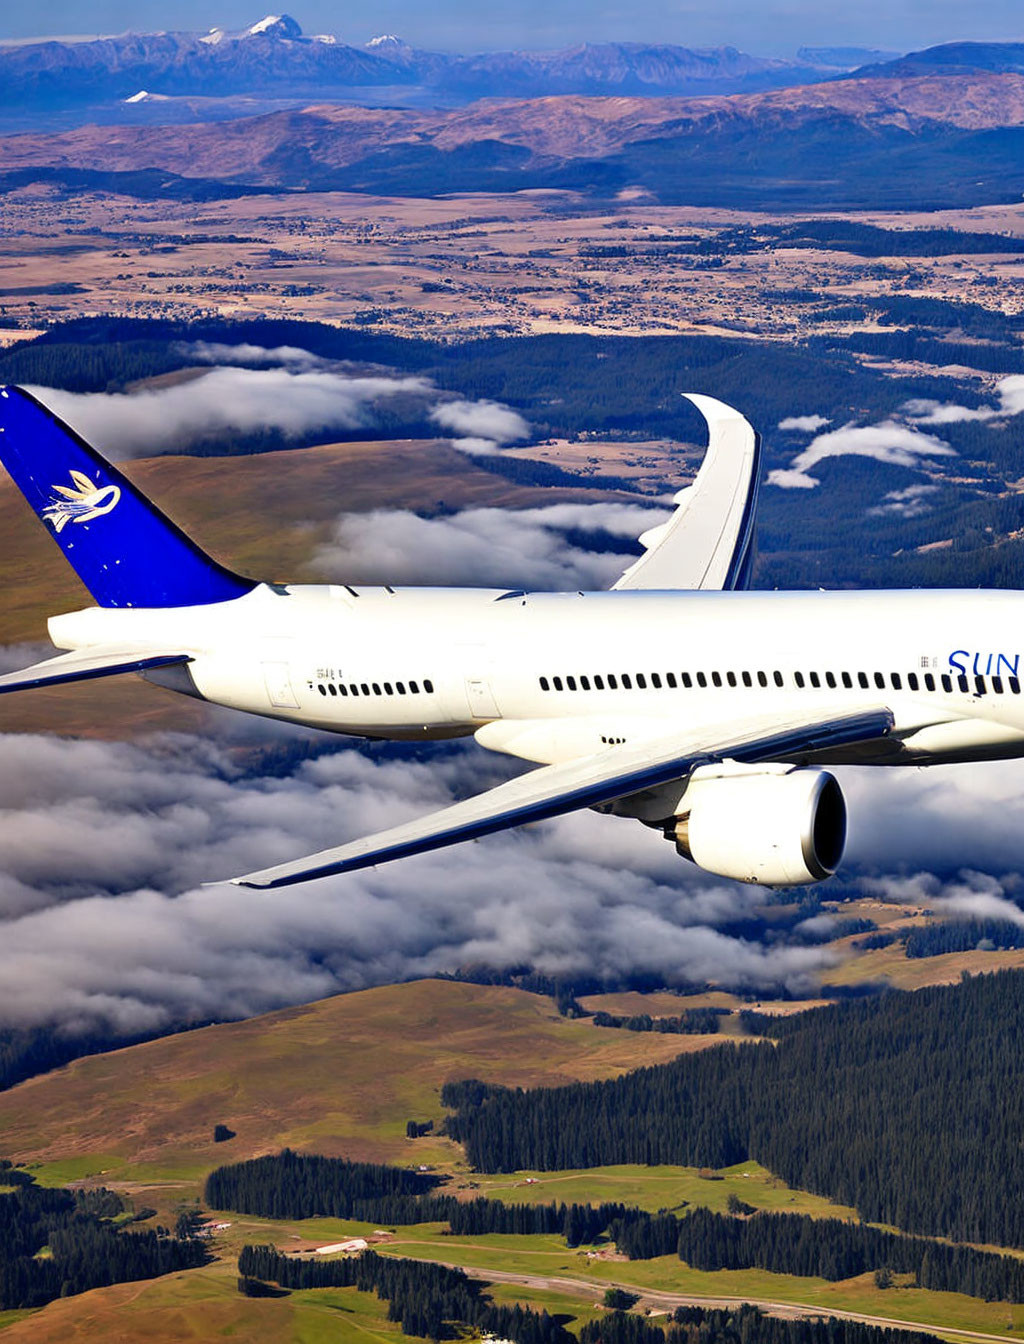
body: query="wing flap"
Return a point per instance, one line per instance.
(708, 541)
(556, 789)
(85, 665)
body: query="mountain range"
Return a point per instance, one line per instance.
(915, 141)
(152, 76)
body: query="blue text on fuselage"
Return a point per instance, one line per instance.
(964, 661)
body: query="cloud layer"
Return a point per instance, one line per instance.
(104, 922)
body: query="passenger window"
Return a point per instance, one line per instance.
(731, 678)
(627, 685)
(862, 677)
(415, 690)
(355, 690)
(716, 678)
(701, 679)
(557, 681)
(1014, 686)
(830, 680)
(997, 685)
(847, 681)
(366, 689)
(670, 677)
(400, 687)
(897, 684)
(962, 684)
(912, 680)
(428, 686)
(779, 679)
(979, 685)
(584, 683)
(687, 679)
(929, 682)
(388, 688)
(571, 683)
(343, 690)
(947, 683)
(322, 689)
(641, 681)
(816, 681)
(543, 684)
(762, 678)
(656, 680)
(598, 682)
(613, 683)
(376, 688)
(798, 677)
(747, 679)
(880, 681)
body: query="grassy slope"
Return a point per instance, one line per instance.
(339, 1076)
(263, 515)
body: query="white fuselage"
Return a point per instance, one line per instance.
(552, 676)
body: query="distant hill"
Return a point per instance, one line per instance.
(952, 58)
(902, 142)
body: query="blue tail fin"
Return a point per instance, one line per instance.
(121, 546)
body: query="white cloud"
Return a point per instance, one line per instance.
(507, 548)
(1009, 396)
(245, 353)
(804, 424)
(897, 444)
(909, 503)
(476, 422)
(225, 400)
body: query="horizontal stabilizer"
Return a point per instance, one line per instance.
(588, 781)
(85, 665)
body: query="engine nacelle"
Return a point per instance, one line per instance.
(776, 828)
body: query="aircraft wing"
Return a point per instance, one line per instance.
(565, 787)
(86, 664)
(708, 541)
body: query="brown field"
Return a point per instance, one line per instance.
(449, 268)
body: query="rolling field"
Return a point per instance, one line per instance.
(341, 1076)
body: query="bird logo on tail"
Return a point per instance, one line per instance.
(81, 502)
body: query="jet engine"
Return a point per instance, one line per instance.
(779, 828)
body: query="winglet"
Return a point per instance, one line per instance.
(708, 541)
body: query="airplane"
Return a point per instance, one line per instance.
(679, 698)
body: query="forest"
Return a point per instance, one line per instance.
(865, 1101)
(740, 1325)
(299, 1185)
(428, 1300)
(826, 1248)
(86, 1250)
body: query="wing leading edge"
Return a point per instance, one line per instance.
(566, 787)
(708, 541)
